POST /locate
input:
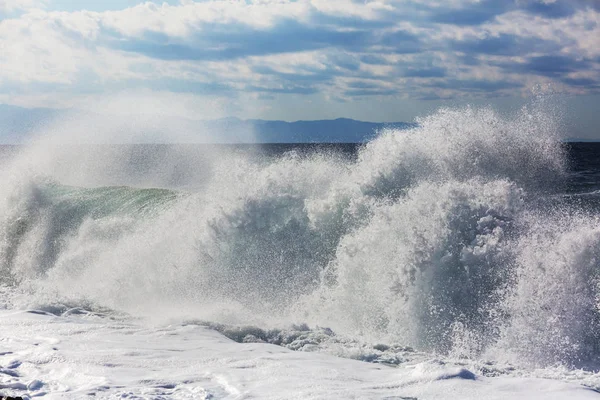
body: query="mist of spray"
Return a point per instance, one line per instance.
(436, 237)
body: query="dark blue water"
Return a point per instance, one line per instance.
(584, 163)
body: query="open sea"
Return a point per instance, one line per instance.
(456, 259)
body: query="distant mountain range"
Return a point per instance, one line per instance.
(17, 124)
(341, 130)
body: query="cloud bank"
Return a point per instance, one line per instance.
(340, 50)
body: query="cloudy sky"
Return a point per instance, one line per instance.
(379, 60)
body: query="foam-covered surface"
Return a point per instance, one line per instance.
(83, 355)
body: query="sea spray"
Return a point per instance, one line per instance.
(435, 257)
(553, 304)
(437, 237)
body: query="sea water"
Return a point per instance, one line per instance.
(457, 258)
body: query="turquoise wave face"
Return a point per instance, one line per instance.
(106, 201)
(54, 214)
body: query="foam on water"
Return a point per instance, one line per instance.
(436, 237)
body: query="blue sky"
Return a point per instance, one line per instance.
(379, 60)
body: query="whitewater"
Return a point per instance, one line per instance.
(449, 260)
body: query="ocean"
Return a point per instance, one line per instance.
(459, 258)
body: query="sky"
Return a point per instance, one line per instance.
(380, 60)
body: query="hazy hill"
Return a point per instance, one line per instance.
(17, 124)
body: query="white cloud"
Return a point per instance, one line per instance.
(9, 6)
(232, 49)
(183, 20)
(579, 34)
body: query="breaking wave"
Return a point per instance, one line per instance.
(440, 237)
